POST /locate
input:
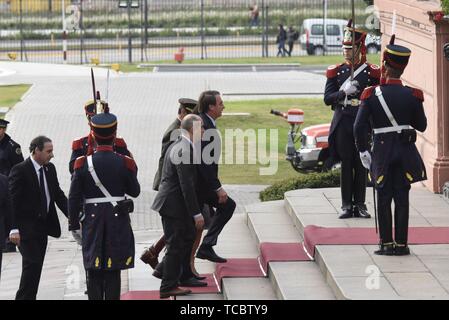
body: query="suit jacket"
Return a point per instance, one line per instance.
(178, 191)
(5, 209)
(406, 105)
(209, 170)
(166, 142)
(26, 201)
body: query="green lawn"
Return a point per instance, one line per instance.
(10, 95)
(303, 60)
(260, 118)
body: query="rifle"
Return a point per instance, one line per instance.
(96, 94)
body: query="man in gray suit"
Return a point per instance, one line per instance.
(177, 203)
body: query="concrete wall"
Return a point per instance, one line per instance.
(428, 70)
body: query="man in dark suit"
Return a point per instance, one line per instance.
(210, 107)
(171, 134)
(100, 181)
(395, 112)
(10, 155)
(177, 203)
(5, 212)
(34, 190)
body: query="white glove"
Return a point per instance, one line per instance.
(77, 236)
(365, 157)
(350, 88)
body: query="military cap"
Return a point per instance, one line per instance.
(3, 123)
(89, 108)
(187, 103)
(395, 55)
(347, 36)
(104, 125)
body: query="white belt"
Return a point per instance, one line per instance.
(104, 200)
(391, 129)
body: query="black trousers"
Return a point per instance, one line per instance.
(395, 188)
(353, 175)
(222, 215)
(1, 257)
(33, 254)
(290, 48)
(179, 238)
(103, 284)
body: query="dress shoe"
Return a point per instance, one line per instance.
(347, 213)
(385, 249)
(401, 250)
(198, 277)
(361, 212)
(208, 253)
(157, 274)
(149, 256)
(192, 282)
(174, 292)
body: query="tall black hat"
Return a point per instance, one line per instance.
(90, 110)
(104, 125)
(395, 55)
(347, 36)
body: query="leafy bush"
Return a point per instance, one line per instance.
(445, 6)
(312, 180)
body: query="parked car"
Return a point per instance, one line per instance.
(314, 43)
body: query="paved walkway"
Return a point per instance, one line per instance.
(145, 105)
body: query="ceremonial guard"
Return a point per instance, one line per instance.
(10, 155)
(100, 181)
(86, 145)
(395, 112)
(344, 85)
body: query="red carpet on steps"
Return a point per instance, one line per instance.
(316, 235)
(313, 235)
(270, 252)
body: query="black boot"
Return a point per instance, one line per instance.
(385, 249)
(401, 250)
(347, 213)
(360, 211)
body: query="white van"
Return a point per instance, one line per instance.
(312, 39)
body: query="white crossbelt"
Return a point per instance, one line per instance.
(98, 183)
(356, 73)
(395, 126)
(104, 200)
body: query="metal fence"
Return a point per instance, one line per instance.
(107, 31)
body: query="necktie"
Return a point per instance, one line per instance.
(43, 195)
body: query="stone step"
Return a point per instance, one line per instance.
(299, 280)
(354, 271)
(248, 289)
(269, 222)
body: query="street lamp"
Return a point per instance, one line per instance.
(128, 4)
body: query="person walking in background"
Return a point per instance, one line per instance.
(254, 15)
(34, 190)
(292, 36)
(280, 40)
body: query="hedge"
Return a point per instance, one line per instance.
(312, 180)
